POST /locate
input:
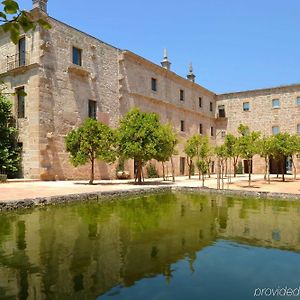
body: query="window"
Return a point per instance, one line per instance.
(21, 102)
(298, 128)
(276, 103)
(92, 109)
(181, 95)
(246, 106)
(200, 102)
(211, 131)
(223, 133)
(210, 106)
(275, 129)
(182, 165)
(200, 128)
(77, 55)
(298, 101)
(154, 84)
(22, 51)
(221, 109)
(181, 125)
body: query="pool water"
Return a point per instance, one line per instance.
(165, 246)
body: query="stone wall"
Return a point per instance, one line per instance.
(135, 87)
(261, 115)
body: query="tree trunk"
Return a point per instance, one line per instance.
(282, 169)
(268, 169)
(139, 172)
(295, 169)
(235, 161)
(203, 178)
(249, 171)
(163, 168)
(92, 170)
(173, 171)
(190, 164)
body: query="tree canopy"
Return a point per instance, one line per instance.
(92, 140)
(142, 137)
(9, 153)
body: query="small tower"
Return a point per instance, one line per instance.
(165, 63)
(40, 4)
(191, 76)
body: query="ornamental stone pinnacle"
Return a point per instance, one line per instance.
(40, 4)
(165, 63)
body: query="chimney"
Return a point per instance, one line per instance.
(40, 4)
(165, 63)
(191, 76)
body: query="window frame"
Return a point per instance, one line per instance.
(298, 101)
(181, 95)
(154, 84)
(200, 102)
(21, 114)
(298, 129)
(244, 106)
(200, 128)
(78, 62)
(212, 133)
(182, 126)
(92, 113)
(273, 127)
(275, 106)
(210, 106)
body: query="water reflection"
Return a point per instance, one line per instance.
(85, 250)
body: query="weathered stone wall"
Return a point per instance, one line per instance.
(65, 89)
(135, 89)
(261, 115)
(15, 76)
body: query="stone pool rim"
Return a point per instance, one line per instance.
(107, 195)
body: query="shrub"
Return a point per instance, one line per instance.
(151, 171)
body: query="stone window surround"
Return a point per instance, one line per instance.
(298, 128)
(21, 87)
(181, 95)
(200, 102)
(246, 106)
(298, 101)
(72, 58)
(182, 129)
(275, 127)
(276, 103)
(153, 84)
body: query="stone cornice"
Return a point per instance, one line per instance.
(156, 68)
(159, 101)
(260, 92)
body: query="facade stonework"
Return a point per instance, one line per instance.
(58, 93)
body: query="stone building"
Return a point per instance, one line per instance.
(69, 75)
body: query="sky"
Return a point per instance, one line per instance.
(234, 45)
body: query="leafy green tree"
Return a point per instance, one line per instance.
(140, 137)
(284, 145)
(15, 21)
(232, 147)
(192, 149)
(248, 146)
(222, 155)
(265, 150)
(9, 152)
(166, 147)
(92, 140)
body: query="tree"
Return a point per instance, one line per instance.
(92, 140)
(15, 21)
(222, 155)
(166, 147)
(285, 145)
(9, 152)
(140, 137)
(265, 150)
(232, 148)
(248, 146)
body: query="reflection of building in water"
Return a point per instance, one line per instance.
(264, 223)
(82, 251)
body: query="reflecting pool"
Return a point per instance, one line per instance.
(166, 246)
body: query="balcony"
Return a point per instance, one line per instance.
(16, 61)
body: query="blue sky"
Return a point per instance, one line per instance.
(234, 44)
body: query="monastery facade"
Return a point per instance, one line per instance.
(69, 76)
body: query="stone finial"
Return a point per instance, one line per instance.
(191, 76)
(165, 63)
(40, 4)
